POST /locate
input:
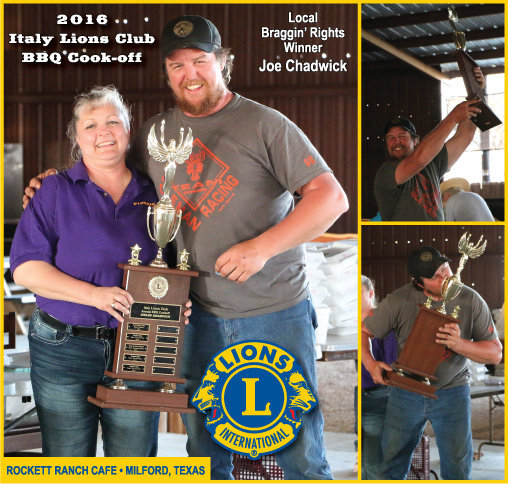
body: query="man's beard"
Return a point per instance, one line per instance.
(392, 156)
(203, 107)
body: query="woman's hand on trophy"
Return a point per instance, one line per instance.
(114, 300)
(188, 311)
(449, 335)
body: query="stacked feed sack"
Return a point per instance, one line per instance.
(332, 268)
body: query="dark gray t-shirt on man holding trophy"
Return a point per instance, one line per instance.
(247, 162)
(398, 311)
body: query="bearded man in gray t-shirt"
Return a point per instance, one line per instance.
(407, 412)
(406, 186)
(242, 227)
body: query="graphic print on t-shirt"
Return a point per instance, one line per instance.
(426, 195)
(207, 189)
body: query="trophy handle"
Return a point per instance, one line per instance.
(149, 212)
(176, 226)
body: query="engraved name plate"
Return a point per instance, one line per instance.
(167, 312)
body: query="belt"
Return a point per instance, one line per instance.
(91, 332)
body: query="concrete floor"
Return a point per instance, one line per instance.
(339, 451)
(341, 457)
(336, 390)
(491, 465)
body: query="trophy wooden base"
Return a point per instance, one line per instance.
(486, 119)
(421, 355)
(407, 383)
(148, 400)
(150, 340)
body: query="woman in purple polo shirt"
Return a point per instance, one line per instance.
(72, 235)
(374, 396)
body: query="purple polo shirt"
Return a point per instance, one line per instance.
(383, 350)
(74, 225)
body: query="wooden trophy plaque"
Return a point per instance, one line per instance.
(149, 343)
(486, 119)
(415, 368)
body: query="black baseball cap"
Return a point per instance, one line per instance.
(403, 123)
(424, 262)
(189, 32)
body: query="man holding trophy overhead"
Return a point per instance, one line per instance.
(406, 185)
(472, 337)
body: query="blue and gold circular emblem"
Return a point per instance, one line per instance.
(253, 395)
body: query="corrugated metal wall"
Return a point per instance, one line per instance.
(385, 250)
(324, 105)
(386, 94)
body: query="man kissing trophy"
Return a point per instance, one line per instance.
(415, 368)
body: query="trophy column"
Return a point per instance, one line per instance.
(149, 343)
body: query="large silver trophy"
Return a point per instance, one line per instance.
(486, 119)
(451, 286)
(149, 343)
(166, 219)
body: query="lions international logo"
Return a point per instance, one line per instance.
(158, 287)
(253, 395)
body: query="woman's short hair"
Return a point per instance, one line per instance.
(368, 283)
(97, 97)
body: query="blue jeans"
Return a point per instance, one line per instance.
(293, 329)
(374, 402)
(450, 415)
(65, 371)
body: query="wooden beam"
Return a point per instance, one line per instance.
(485, 70)
(425, 40)
(429, 17)
(404, 56)
(391, 65)
(164, 94)
(433, 60)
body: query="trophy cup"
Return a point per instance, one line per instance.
(149, 343)
(486, 119)
(418, 361)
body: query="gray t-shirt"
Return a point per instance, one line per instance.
(467, 207)
(398, 311)
(247, 162)
(418, 199)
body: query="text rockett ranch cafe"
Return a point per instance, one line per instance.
(78, 43)
(300, 38)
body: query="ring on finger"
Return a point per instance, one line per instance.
(113, 305)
